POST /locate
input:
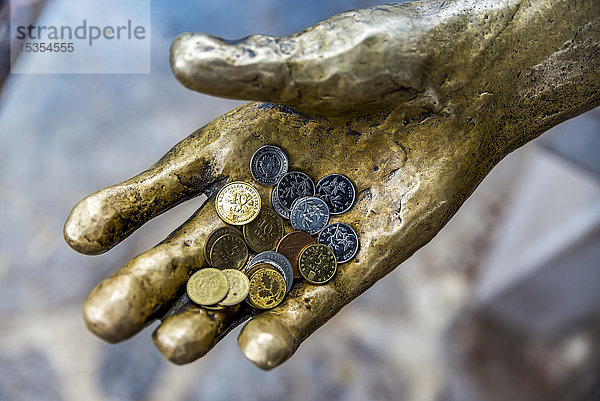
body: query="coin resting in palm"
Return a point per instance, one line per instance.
(415, 102)
(264, 230)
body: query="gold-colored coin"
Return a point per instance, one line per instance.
(238, 203)
(263, 233)
(267, 287)
(213, 236)
(229, 252)
(239, 285)
(317, 263)
(207, 286)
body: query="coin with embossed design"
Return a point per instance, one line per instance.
(238, 287)
(214, 235)
(207, 286)
(291, 186)
(280, 262)
(337, 191)
(263, 233)
(309, 214)
(229, 252)
(317, 263)
(342, 239)
(238, 203)
(291, 245)
(267, 287)
(268, 164)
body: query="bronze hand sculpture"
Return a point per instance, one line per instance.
(415, 102)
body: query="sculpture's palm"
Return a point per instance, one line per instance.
(414, 160)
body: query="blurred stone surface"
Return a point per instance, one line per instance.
(29, 376)
(129, 370)
(63, 137)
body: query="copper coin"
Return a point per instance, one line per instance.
(291, 245)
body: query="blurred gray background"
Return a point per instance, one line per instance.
(504, 304)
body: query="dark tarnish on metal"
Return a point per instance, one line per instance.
(415, 101)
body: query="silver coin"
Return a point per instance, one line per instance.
(337, 191)
(268, 164)
(276, 258)
(309, 214)
(291, 186)
(341, 239)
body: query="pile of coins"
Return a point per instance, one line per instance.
(216, 289)
(280, 259)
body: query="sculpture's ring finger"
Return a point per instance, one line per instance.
(189, 331)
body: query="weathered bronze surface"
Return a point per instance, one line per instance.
(414, 102)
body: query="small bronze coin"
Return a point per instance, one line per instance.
(229, 252)
(264, 231)
(214, 235)
(239, 285)
(268, 164)
(291, 245)
(317, 263)
(238, 203)
(267, 287)
(207, 286)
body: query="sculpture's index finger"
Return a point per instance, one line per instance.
(105, 218)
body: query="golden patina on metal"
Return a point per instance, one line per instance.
(317, 264)
(239, 285)
(229, 252)
(238, 203)
(267, 287)
(214, 235)
(207, 286)
(263, 233)
(415, 102)
(291, 245)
